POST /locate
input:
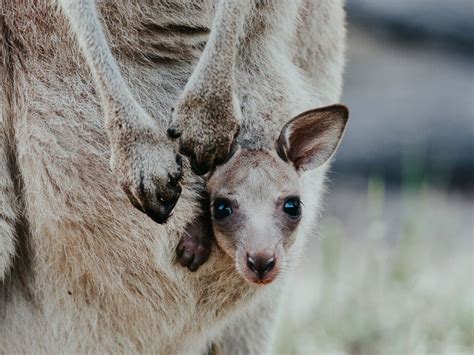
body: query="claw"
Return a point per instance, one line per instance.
(157, 200)
(185, 149)
(200, 168)
(174, 132)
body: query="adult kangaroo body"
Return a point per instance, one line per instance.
(83, 269)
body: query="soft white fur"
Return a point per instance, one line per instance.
(93, 274)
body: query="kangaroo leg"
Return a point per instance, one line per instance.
(143, 159)
(207, 115)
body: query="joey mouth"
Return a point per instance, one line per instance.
(257, 266)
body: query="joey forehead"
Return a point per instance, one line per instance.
(254, 172)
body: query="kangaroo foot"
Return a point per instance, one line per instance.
(149, 170)
(206, 128)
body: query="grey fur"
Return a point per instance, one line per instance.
(100, 276)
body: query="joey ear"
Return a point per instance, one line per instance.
(311, 138)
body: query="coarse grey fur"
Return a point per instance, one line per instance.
(84, 271)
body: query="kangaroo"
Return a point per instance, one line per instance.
(257, 197)
(97, 160)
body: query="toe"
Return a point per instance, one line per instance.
(167, 205)
(185, 148)
(194, 265)
(159, 204)
(225, 154)
(200, 257)
(175, 177)
(201, 166)
(186, 258)
(174, 131)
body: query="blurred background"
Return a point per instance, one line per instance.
(394, 271)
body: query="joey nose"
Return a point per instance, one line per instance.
(261, 264)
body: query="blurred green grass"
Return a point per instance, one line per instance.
(375, 287)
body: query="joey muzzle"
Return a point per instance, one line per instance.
(261, 267)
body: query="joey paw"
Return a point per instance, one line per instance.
(194, 247)
(191, 253)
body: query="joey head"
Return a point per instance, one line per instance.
(255, 198)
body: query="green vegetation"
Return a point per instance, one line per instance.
(383, 287)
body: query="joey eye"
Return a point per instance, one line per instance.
(292, 207)
(221, 209)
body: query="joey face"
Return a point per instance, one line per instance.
(255, 207)
(256, 197)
